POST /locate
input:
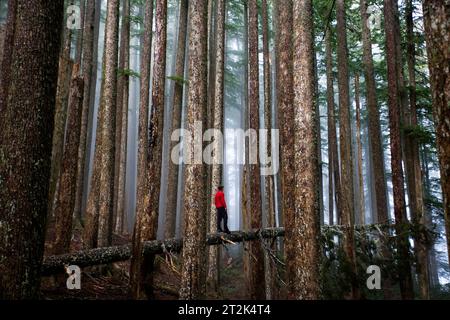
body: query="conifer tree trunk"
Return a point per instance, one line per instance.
(141, 231)
(122, 119)
(62, 95)
(89, 72)
(303, 231)
(26, 119)
(106, 185)
(414, 174)
(394, 103)
(377, 155)
(65, 198)
(155, 131)
(284, 86)
(347, 191)
(271, 270)
(362, 213)
(217, 158)
(256, 283)
(333, 156)
(193, 256)
(172, 188)
(436, 18)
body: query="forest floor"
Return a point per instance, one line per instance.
(111, 283)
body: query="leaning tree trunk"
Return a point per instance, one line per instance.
(155, 130)
(437, 17)
(217, 156)
(404, 268)
(347, 191)
(65, 199)
(26, 120)
(172, 184)
(122, 120)
(303, 229)
(194, 259)
(256, 284)
(140, 234)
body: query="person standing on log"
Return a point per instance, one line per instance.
(221, 206)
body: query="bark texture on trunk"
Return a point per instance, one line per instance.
(437, 17)
(172, 184)
(122, 121)
(302, 232)
(217, 156)
(255, 261)
(141, 230)
(155, 143)
(347, 190)
(26, 120)
(333, 155)
(106, 183)
(65, 199)
(377, 154)
(394, 103)
(194, 257)
(88, 70)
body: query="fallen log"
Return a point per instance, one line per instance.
(106, 255)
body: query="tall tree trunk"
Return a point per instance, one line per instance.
(303, 229)
(377, 155)
(333, 155)
(90, 231)
(67, 178)
(194, 259)
(437, 17)
(26, 120)
(106, 185)
(271, 270)
(347, 218)
(153, 169)
(256, 283)
(285, 103)
(121, 119)
(141, 230)
(217, 156)
(394, 103)
(62, 95)
(362, 213)
(172, 188)
(89, 72)
(414, 173)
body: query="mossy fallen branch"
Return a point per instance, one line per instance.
(98, 256)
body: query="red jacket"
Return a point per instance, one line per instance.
(219, 200)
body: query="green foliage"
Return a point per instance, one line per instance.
(178, 79)
(128, 72)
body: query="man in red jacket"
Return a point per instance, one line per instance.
(221, 206)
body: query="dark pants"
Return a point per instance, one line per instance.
(222, 215)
